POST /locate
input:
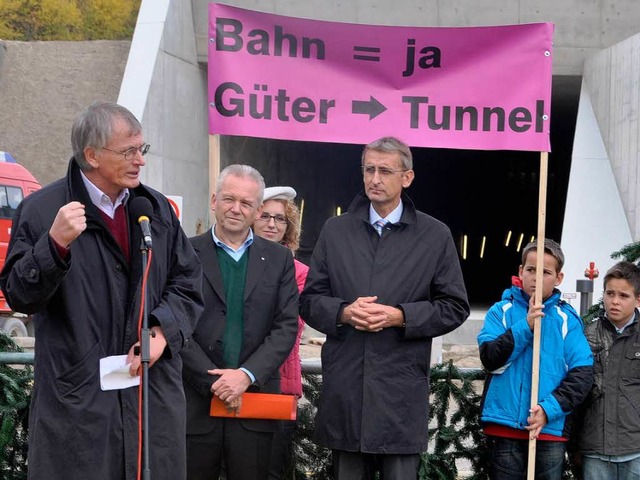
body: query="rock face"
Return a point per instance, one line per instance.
(43, 85)
(463, 356)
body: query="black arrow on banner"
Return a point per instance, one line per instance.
(371, 107)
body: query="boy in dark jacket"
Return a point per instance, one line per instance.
(506, 348)
(610, 435)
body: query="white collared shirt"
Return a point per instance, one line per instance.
(102, 200)
(393, 217)
(236, 254)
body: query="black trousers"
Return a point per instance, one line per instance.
(244, 453)
(281, 450)
(363, 466)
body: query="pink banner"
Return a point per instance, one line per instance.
(280, 77)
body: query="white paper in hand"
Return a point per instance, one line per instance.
(114, 373)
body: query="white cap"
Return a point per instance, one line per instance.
(279, 193)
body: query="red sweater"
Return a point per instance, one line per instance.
(291, 370)
(119, 229)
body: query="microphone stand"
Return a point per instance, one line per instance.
(145, 358)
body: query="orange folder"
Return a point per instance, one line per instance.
(270, 406)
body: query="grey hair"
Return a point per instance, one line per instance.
(243, 171)
(391, 145)
(93, 127)
(550, 247)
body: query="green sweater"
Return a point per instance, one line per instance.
(234, 276)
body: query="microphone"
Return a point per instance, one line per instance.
(140, 212)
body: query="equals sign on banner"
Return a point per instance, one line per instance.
(369, 54)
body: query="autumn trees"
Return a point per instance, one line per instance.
(30, 20)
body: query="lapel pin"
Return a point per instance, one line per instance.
(261, 258)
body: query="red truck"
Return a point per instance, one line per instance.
(15, 183)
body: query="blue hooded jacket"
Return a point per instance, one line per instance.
(506, 349)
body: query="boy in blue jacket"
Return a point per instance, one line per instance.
(566, 370)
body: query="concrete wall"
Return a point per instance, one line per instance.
(595, 224)
(167, 89)
(43, 85)
(612, 78)
(583, 27)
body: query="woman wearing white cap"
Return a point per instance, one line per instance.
(280, 222)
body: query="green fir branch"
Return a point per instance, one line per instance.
(15, 385)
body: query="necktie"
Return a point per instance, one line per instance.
(379, 225)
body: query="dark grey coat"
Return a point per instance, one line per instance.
(609, 422)
(86, 308)
(375, 386)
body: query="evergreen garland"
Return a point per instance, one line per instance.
(309, 460)
(454, 435)
(455, 432)
(15, 385)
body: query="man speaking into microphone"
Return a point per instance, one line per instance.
(74, 262)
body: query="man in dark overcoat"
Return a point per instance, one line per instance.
(246, 332)
(384, 280)
(74, 262)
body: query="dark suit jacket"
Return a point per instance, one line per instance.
(270, 327)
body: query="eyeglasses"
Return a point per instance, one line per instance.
(130, 153)
(370, 171)
(279, 218)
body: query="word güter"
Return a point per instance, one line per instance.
(230, 98)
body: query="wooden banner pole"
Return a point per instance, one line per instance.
(214, 166)
(535, 367)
